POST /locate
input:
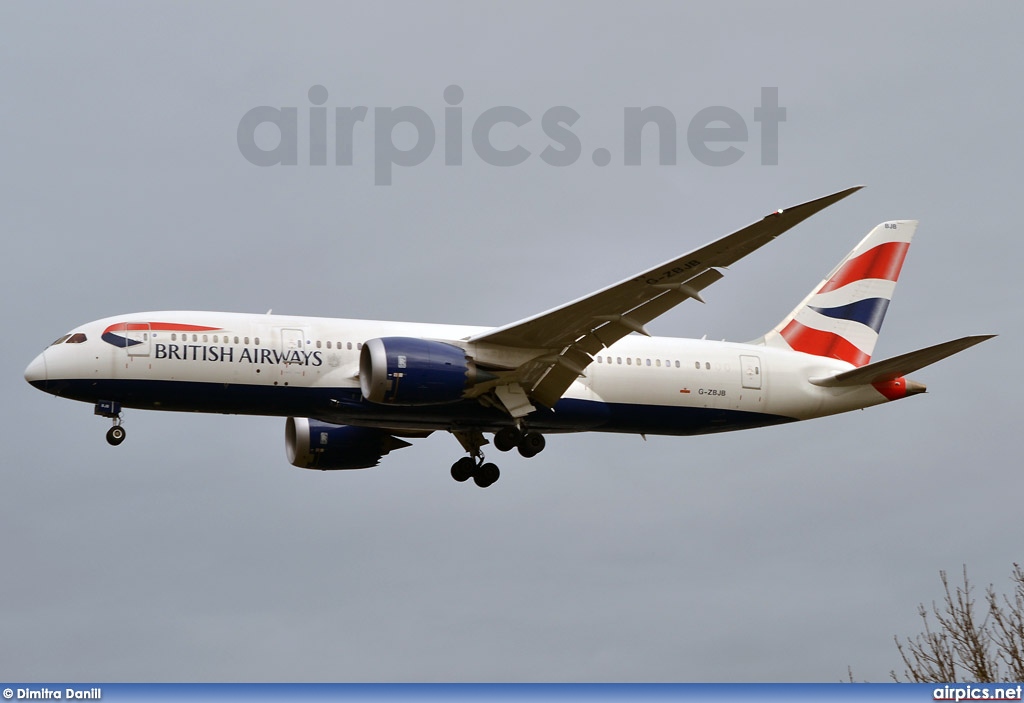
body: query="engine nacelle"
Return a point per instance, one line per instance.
(412, 371)
(311, 444)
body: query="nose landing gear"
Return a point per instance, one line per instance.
(111, 409)
(115, 435)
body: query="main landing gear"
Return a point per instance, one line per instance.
(529, 444)
(485, 473)
(111, 409)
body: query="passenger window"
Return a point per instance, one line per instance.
(246, 340)
(696, 365)
(350, 345)
(76, 338)
(648, 362)
(707, 365)
(657, 362)
(677, 363)
(206, 338)
(629, 361)
(359, 346)
(256, 341)
(236, 339)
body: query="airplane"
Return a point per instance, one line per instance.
(355, 390)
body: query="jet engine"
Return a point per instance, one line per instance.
(411, 371)
(311, 444)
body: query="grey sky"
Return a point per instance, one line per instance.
(195, 552)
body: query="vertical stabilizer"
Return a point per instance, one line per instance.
(842, 316)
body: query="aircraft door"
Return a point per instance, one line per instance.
(750, 371)
(138, 336)
(292, 340)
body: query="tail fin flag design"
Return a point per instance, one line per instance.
(842, 316)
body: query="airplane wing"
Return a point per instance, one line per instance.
(573, 333)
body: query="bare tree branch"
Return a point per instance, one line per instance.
(1008, 625)
(965, 645)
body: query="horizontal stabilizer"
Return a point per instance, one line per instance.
(890, 369)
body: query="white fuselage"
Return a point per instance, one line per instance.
(307, 366)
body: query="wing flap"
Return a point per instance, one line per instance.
(553, 384)
(550, 387)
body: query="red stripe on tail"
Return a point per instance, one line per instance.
(884, 261)
(828, 344)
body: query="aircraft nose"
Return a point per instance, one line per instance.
(36, 372)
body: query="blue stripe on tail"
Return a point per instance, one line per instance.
(869, 312)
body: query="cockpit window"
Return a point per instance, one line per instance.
(77, 338)
(61, 340)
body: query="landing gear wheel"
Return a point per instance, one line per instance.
(115, 435)
(506, 439)
(463, 469)
(473, 466)
(486, 475)
(531, 444)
